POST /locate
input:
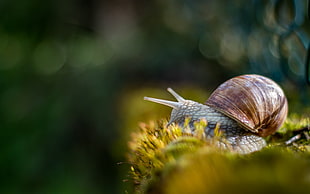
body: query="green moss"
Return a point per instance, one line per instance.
(293, 123)
(167, 160)
(295, 132)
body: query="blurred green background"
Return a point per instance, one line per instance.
(73, 75)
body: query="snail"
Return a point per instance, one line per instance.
(245, 109)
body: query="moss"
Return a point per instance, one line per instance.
(295, 132)
(270, 171)
(167, 160)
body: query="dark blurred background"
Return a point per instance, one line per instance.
(73, 75)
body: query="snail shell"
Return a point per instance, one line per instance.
(255, 102)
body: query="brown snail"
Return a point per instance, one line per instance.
(244, 108)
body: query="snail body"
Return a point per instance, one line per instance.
(243, 109)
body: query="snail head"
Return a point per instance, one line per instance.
(181, 109)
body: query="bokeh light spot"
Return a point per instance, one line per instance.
(232, 46)
(48, 57)
(255, 44)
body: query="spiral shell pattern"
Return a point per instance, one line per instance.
(254, 101)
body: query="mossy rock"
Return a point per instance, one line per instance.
(167, 160)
